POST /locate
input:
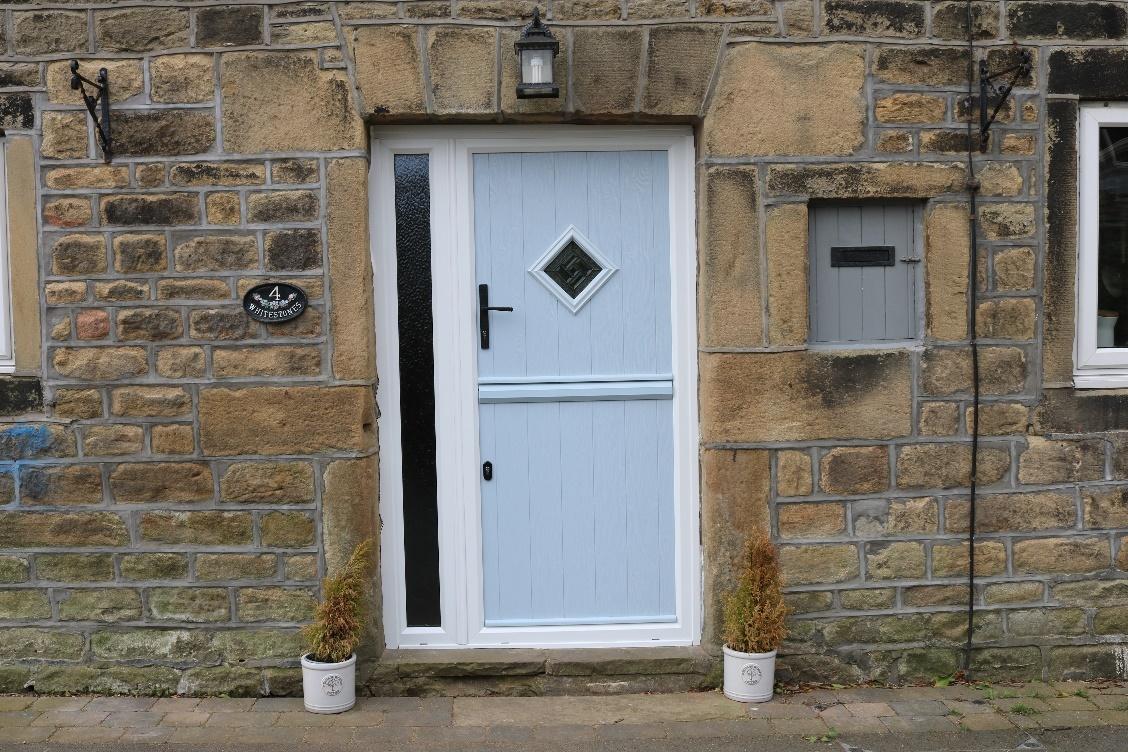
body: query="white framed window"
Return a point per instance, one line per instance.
(7, 343)
(1101, 345)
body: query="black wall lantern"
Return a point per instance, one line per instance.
(535, 50)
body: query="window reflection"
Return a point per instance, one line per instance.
(1112, 300)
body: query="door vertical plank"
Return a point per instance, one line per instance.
(873, 277)
(611, 494)
(483, 244)
(659, 236)
(572, 205)
(642, 502)
(491, 545)
(607, 309)
(898, 291)
(667, 596)
(826, 322)
(849, 277)
(546, 552)
(538, 218)
(639, 262)
(511, 474)
(577, 485)
(507, 330)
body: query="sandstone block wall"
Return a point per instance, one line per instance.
(165, 517)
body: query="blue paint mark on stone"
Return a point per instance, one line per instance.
(25, 440)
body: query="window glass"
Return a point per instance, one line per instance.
(1112, 297)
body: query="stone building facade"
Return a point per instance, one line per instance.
(176, 478)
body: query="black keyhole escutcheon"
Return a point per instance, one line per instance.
(487, 470)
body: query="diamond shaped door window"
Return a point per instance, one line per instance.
(573, 269)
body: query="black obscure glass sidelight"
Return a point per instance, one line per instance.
(572, 269)
(417, 389)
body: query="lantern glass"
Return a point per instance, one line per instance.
(536, 66)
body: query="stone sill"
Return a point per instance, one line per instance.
(477, 671)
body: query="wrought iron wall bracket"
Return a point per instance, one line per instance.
(989, 90)
(98, 105)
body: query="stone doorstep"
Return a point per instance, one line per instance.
(519, 671)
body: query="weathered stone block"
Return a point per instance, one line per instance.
(886, 18)
(293, 171)
(150, 174)
(150, 401)
(679, 65)
(52, 644)
(948, 465)
(174, 438)
(879, 517)
(805, 395)
(894, 141)
(270, 207)
(350, 273)
(910, 108)
(1105, 508)
(64, 136)
(292, 250)
(78, 255)
(267, 483)
(66, 529)
(939, 418)
(730, 285)
(793, 473)
(1001, 418)
(811, 520)
(24, 604)
(605, 69)
(1061, 461)
(78, 403)
(210, 567)
(65, 178)
(193, 288)
(140, 567)
(1007, 221)
(181, 79)
(1021, 512)
(218, 173)
(223, 208)
(158, 133)
(949, 20)
(140, 253)
(1046, 622)
(1012, 592)
(753, 113)
(150, 209)
(867, 180)
(259, 644)
(301, 567)
(216, 252)
(1073, 555)
(1072, 662)
(220, 323)
(267, 361)
(180, 362)
(287, 529)
(112, 440)
(1014, 269)
(49, 32)
(808, 564)
(172, 482)
(229, 26)
(948, 371)
(280, 420)
(152, 324)
(854, 470)
(946, 271)
(19, 74)
(60, 485)
(1003, 664)
(153, 644)
(894, 561)
(121, 290)
(1092, 592)
(462, 65)
(808, 602)
(15, 569)
(786, 240)
(68, 212)
(282, 101)
(1062, 20)
(275, 604)
(926, 596)
(193, 605)
(868, 599)
(925, 66)
(951, 559)
(197, 528)
(141, 29)
(103, 604)
(92, 323)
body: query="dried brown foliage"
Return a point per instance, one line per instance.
(339, 620)
(755, 615)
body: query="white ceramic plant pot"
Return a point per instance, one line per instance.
(749, 677)
(329, 687)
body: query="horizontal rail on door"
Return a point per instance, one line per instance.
(554, 379)
(581, 621)
(575, 392)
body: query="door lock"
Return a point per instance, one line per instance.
(484, 309)
(487, 470)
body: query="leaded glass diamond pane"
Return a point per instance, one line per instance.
(572, 269)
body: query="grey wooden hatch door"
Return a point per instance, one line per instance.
(865, 261)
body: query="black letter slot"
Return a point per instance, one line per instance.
(862, 255)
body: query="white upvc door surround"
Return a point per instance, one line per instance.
(450, 150)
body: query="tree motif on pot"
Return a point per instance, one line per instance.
(332, 685)
(751, 674)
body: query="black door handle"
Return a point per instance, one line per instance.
(484, 309)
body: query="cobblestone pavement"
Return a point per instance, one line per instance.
(1004, 717)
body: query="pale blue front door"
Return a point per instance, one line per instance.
(575, 387)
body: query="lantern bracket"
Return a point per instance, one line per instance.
(98, 105)
(989, 90)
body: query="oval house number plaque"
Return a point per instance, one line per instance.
(274, 302)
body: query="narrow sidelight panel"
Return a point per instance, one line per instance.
(417, 389)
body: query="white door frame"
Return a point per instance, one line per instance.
(454, 310)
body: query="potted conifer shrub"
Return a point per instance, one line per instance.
(755, 624)
(329, 668)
